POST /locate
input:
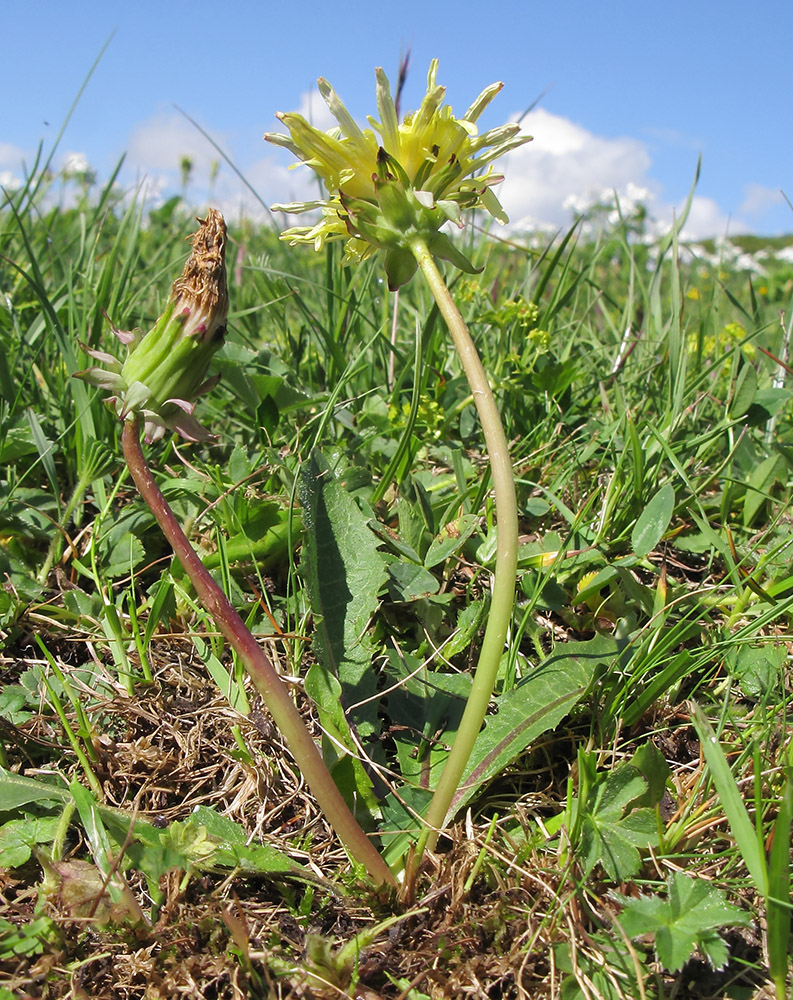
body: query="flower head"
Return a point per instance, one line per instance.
(165, 370)
(397, 179)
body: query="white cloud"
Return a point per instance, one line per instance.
(9, 180)
(760, 199)
(273, 181)
(11, 166)
(705, 220)
(567, 169)
(564, 171)
(75, 163)
(625, 203)
(566, 165)
(162, 141)
(10, 154)
(158, 145)
(152, 189)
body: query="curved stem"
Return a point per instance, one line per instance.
(503, 594)
(258, 665)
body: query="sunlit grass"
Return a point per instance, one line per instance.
(621, 373)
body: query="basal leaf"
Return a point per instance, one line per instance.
(653, 521)
(234, 850)
(127, 552)
(714, 948)
(425, 711)
(469, 622)
(25, 940)
(344, 574)
(538, 703)
(760, 482)
(102, 848)
(452, 537)
(341, 756)
(744, 392)
(652, 765)
(409, 582)
(402, 812)
(622, 788)
(16, 791)
(206, 841)
(15, 705)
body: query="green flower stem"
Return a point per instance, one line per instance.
(502, 598)
(259, 667)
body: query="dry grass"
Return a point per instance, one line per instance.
(226, 935)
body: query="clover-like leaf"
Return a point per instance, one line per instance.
(688, 919)
(614, 829)
(19, 837)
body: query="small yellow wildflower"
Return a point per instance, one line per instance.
(517, 313)
(397, 179)
(430, 417)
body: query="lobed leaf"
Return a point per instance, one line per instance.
(689, 918)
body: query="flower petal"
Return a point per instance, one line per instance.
(389, 123)
(337, 108)
(296, 207)
(482, 101)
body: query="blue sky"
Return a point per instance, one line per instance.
(633, 94)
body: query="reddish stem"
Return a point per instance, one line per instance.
(258, 665)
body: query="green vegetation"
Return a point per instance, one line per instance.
(622, 828)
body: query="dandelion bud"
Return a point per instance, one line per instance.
(165, 371)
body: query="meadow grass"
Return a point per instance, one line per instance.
(623, 828)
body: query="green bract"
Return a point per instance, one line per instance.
(398, 180)
(165, 371)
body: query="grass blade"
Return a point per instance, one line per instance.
(742, 828)
(778, 906)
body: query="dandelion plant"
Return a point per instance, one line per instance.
(158, 383)
(392, 187)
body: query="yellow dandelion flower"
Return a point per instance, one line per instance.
(396, 180)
